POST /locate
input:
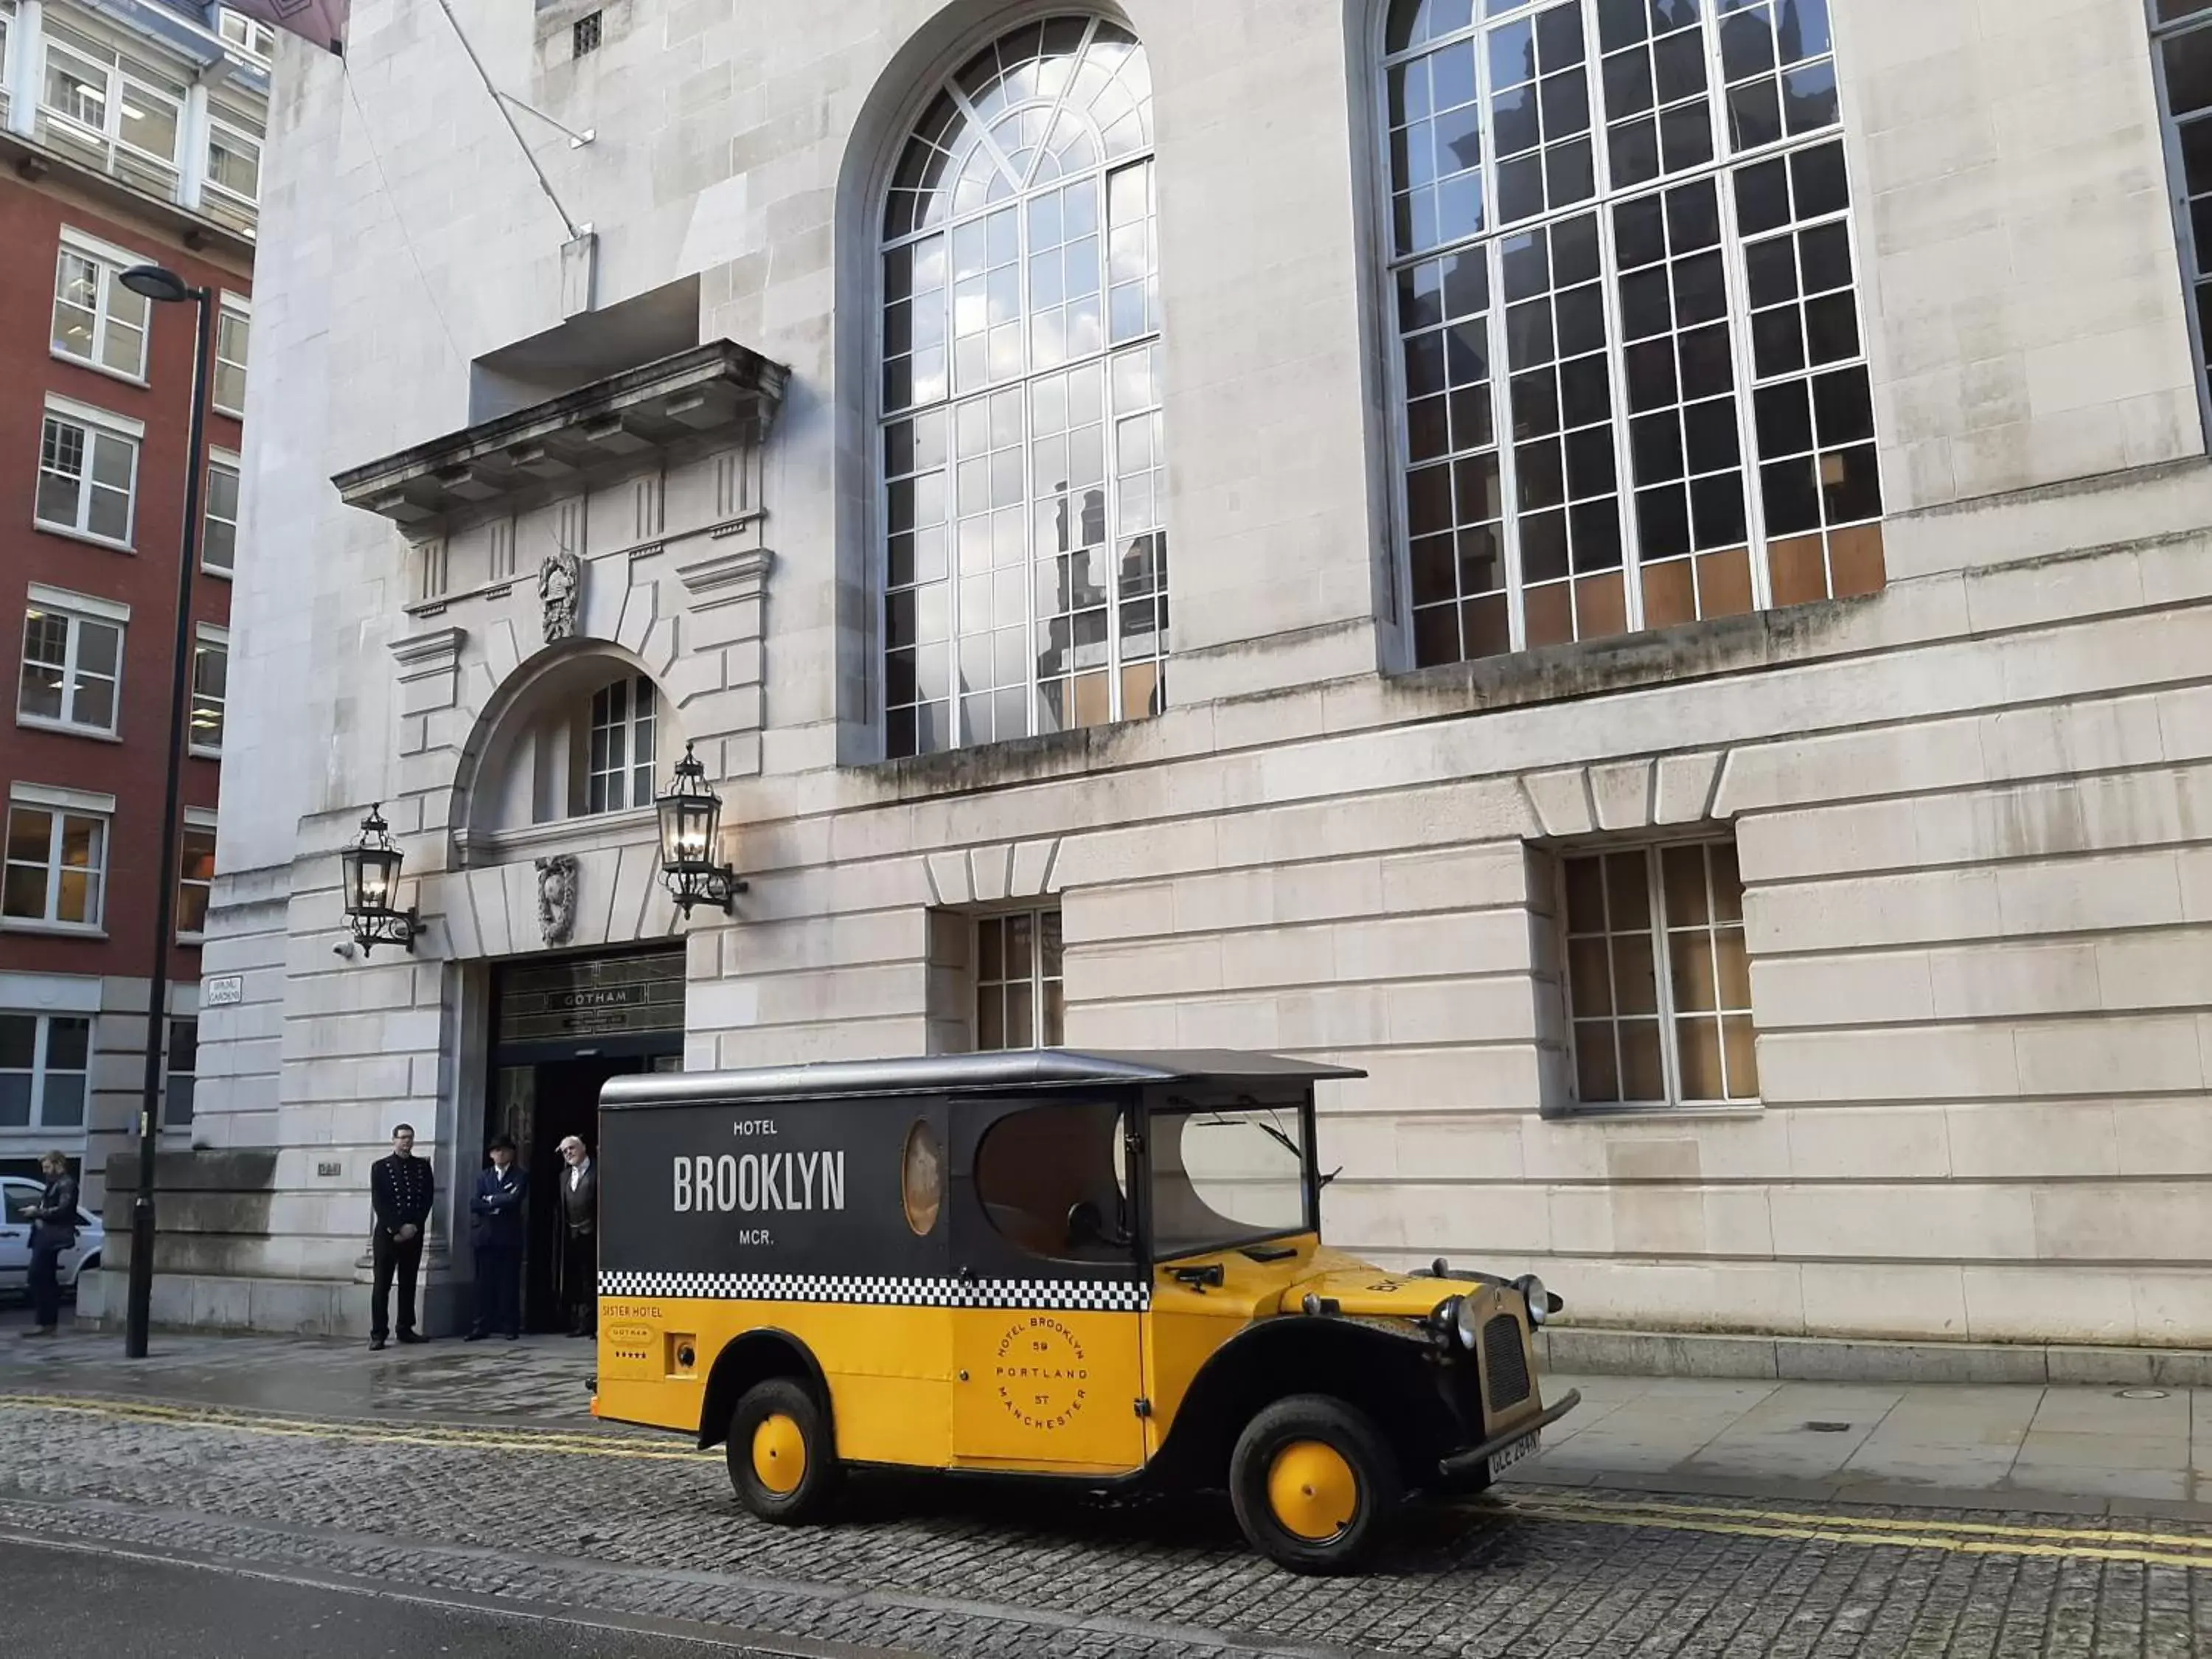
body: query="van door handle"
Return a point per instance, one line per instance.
(967, 1275)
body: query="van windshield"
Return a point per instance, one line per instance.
(1224, 1177)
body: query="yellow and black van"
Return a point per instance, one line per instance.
(1099, 1268)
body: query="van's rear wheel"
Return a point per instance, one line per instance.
(781, 1462)
(1313, 1482)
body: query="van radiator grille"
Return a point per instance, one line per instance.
(1503, 1363)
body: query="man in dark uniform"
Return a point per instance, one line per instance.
(400, 1190)
(53, 1229)
(580, 1239)
(496, 1233)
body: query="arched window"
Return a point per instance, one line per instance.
(1633, 383)
(1025, 557)
(619, 772)
(582, 738)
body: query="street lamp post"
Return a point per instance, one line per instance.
(165, 287)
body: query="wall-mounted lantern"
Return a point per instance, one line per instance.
(690, 813)
(371, 866)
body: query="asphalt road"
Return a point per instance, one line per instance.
(131, 1607)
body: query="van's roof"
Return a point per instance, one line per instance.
(1033, 1068)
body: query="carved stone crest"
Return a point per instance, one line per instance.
(556, 898)
(560, 590)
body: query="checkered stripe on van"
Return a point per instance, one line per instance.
(1095, 1295)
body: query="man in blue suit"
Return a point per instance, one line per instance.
(498, 1209)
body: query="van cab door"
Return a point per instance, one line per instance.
(1050, 1294)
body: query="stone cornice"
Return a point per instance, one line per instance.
(580, 440)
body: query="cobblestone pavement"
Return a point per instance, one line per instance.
(630, 1524)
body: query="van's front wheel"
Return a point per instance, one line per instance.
(781, 1462)
(1313, 1481)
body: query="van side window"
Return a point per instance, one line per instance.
(1051, 1180)
(921, 1178)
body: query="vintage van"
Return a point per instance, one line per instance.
(1098, 1268)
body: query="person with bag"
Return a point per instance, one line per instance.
(53, 1229)
(498, 1209)
(400, 1192)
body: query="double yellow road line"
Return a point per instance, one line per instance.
(2082, 1543)
(2157, 1549)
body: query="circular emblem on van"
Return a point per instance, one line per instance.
(1041, 1372)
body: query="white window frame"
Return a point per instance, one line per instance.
(236, 136)
(61, 804)
(237, 309)
(259, 39)
(94, 422)
(200, 818)
(41, 1068)
(78, 610)
(110, 262)
(222, 460)
(1037, 982)
(210, 640)
(1658, 928)
(117, 83)
(615, 787)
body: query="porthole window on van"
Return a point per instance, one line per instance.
(922, 1178)
(1053, 1182)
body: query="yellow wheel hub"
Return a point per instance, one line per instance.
(779, 1454)
(1312, 1491)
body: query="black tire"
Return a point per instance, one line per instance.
(811, 1497)
(1350, 1434)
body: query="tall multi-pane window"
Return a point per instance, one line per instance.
(1023, 460)
(1018, 1001)
(183, 1074)
(195, 872)
(1658, 979)
(56, 864)
(87, 472)
(97, 320)
(72, 661)
(233, 324)
(219, 529)
(2184, 53)
(1632, 380)
(210, 688)
(620, 774)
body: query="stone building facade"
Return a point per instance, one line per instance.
(1683, 656)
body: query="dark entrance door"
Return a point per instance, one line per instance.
(562, 1027)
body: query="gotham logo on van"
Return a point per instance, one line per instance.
(753, 1183)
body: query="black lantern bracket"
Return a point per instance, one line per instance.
(691, 816)
(370, 867)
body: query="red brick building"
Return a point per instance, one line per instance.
(124, 143)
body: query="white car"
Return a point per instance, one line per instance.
(17, 1193)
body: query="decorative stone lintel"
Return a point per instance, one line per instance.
(420, 655)
(726, 578)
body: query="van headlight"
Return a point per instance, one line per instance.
(1463, 1325)
(1538, 1298)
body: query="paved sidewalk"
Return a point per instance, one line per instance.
(2079, 1451)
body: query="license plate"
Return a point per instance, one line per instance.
(1501, 1462)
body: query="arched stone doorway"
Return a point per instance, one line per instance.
(568, 948)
